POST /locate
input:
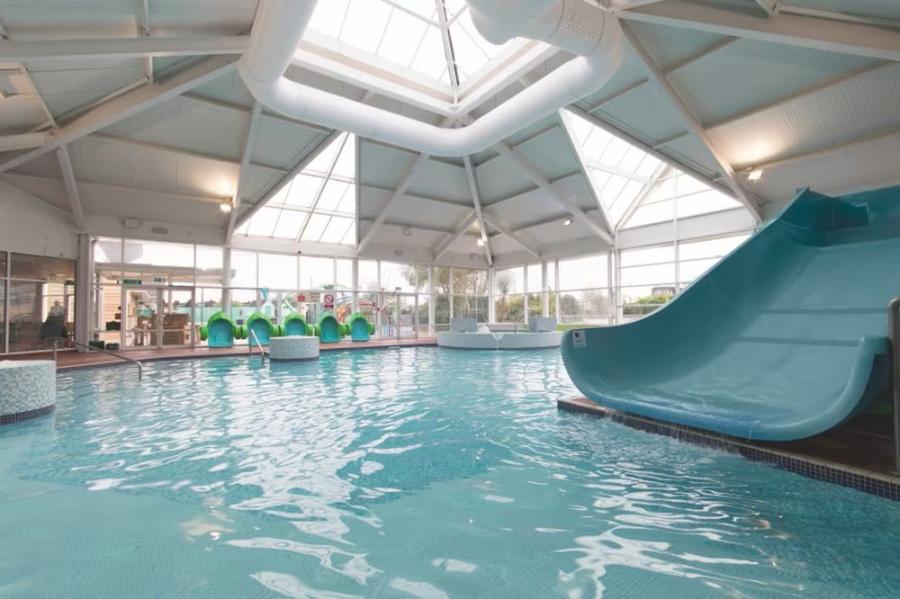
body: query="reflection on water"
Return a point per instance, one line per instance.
(419, 472)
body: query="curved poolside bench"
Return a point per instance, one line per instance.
(784, 339)
(27, 389)
(523, 340)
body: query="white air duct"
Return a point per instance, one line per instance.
(573, 25)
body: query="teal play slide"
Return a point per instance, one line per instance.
(783, 339)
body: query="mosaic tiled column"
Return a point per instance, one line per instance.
(27, 389)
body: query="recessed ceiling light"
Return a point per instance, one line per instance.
(225, 206)
(406, 231)
(480, 242)
(567, 222)
(755, 174)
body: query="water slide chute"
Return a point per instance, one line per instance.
(329, 330)
(294, 325)
(785, 338)
(359, 327)
(219, 331)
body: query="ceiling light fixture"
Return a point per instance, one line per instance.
(755, 174)
(567, 222)
(480, 242)
(225, 206)
(407, 231)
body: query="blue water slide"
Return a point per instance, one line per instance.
(783, 339)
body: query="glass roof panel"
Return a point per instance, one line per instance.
(409, 33)
(326, 187)
(622, 174)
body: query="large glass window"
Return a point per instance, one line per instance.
(396, 276)
(41, 296)
(584, 290)
(243, 269)
(316, 273)
(509, 299)
(277, 271)
(368, 275)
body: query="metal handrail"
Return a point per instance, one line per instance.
(894, 333)
(91, 348)
(262, 352)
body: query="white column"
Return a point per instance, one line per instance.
(492, 310)
(525, 286)
(545, 291)
(556, 286)
(452, 290)
(355, 284)
(84, 283)
(432, 331)
(610, 290)
(226, 281)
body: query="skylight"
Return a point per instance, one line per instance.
(319, 204)
(434, 38)
(623, 174)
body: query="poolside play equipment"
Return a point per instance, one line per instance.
(359, 327)
(329, 329)
(294, 348)
(294, 325)
(263, 327)
(466, 333)
(584, 30)
(784, 339)
(219, 331)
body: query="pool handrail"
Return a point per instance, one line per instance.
(91, 348)
(894, 333)
(254, 339)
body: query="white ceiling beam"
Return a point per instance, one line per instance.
(68, 177)
(582, 169)
(246, 154)
(132, 193)
(530, 169)
(794, 30)
(29, 82)
(80, 49)
(476, 201)
(400, 190)
(689, 121)
(22, 141)
(661, 171)
(404, 183)
(448, 48)
(128, 105)
(509, 232)
(460, 230)
(300, 162)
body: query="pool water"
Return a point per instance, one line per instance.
(404, 473)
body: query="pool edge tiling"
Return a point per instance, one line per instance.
(860, 479)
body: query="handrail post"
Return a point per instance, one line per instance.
(55, 351)
(894, 334)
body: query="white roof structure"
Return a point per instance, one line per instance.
(130, 116)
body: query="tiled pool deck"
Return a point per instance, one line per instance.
(857, 454)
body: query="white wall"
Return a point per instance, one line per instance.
(30, 225)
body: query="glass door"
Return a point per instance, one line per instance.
(156, 317)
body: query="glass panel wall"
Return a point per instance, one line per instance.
(584, 288)
(509, 296)
(37, 301)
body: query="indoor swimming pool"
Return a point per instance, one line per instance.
(403, 473)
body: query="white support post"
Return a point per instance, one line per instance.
(492, 309)
(545, 291)
(431, 301)
(556, 285)
(226, 281)
(84, 284)
(525, 293)
(355, 284)
(691, 123)
(452, 288)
